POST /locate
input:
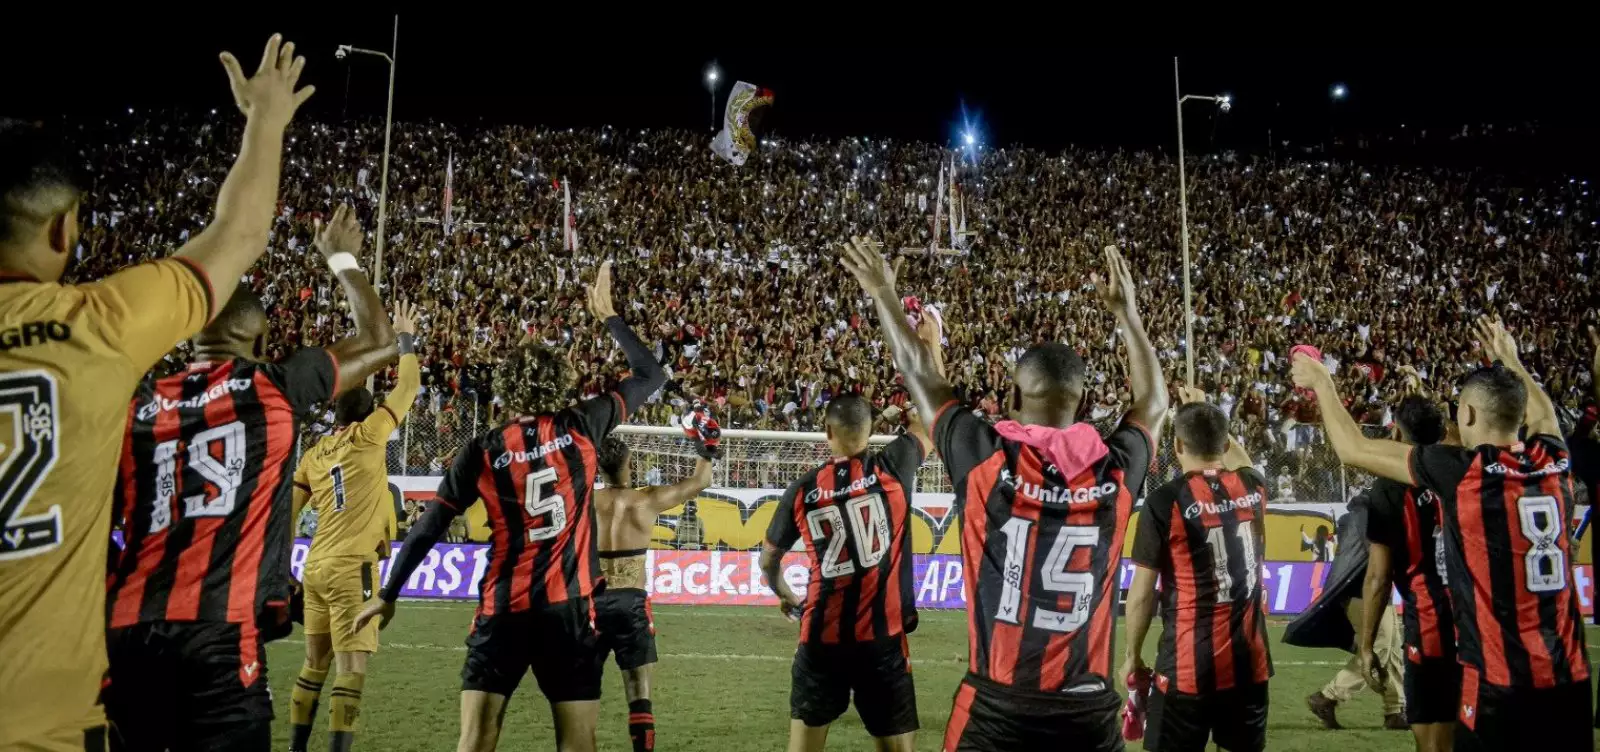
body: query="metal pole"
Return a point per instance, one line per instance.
(383, 186)
(1183, 223)
(711, 86)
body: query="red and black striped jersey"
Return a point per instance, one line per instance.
(1205, 535)
(203, 494)
(1405, 519)
(1040, 548)
(854, 514)
(1508, 559)
(536, 479)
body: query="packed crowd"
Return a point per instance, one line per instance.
(734, 272)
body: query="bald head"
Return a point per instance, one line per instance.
(1050, 379)
(240, 328)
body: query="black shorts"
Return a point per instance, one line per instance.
(1235, 718)
(990, 717)
(626, 626)
(1560, 719)
(188, 686)
(878, 672)
(558, 642)
(1433, 691)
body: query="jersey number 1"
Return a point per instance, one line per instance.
(28, 400)
(336, 474)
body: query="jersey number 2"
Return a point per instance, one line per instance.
(28, 399)
(1055, 576)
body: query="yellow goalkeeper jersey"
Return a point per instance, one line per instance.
(348, 480)
(70, 359)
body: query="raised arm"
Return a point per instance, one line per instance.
(373, 345)
(921, 368)
(645, 374)
(1381, 457)
(661, 498)
(377, 427)
(248, 197)
(1540, 415)
(1148, 381)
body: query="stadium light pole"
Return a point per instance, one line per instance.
(1224, 102)
(711, 86)
(388, 127)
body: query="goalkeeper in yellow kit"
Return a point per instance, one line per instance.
(346, 479)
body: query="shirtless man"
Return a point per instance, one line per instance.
(625, 517)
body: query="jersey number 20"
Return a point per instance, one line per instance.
(28, 400)
(869, 529)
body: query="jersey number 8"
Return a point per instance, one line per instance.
(1545, 564)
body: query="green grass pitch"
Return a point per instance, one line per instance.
(723, 686)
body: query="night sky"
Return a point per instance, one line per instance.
(463, 70)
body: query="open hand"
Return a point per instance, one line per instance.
(600, 294)
(1496, 341)
(375, 609)
(269, 97)
(864, 260)
(342, 233)
(1116, 290)
(405, 318)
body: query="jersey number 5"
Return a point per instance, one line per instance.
(1055, 576)
(28, 402)
(538, 504)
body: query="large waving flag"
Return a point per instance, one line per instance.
(737, 139)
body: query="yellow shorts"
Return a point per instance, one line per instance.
(337, 589)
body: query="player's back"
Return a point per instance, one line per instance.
(1508, 560)
(536, 479)
(624, 521)
(1406, 520)
(347, 475)
(70, 356)
(1041, 541)
(1213, 525)
(203, 490)
(854, 515)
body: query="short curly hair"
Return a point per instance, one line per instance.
(534, 379)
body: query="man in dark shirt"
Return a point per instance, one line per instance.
(1403, 550)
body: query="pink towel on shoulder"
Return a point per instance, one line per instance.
(1072, 449)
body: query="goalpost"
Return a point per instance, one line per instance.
(751, 459)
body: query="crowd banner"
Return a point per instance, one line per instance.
(733, 578)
